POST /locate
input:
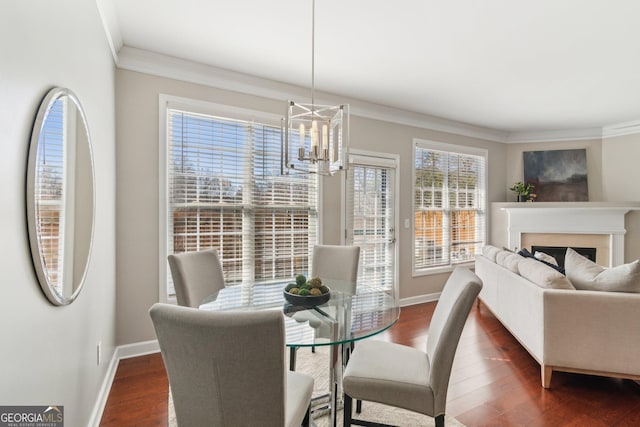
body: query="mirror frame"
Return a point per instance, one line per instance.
(47, 287)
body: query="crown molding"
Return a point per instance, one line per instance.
(153, 63)
(554, 135)
(620, 129)
(609, 131)
(109, 17)
(157, 64)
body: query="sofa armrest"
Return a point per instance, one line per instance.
(591, 330)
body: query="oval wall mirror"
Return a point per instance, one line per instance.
(60, 196)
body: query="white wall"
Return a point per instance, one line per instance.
(620, 180)
(48, 354)
(138, 201)
(620, 160)
(612, 168)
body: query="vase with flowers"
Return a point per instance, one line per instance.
(524, 192)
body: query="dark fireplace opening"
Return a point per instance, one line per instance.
(558, 252)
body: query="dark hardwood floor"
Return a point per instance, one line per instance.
(494, 382)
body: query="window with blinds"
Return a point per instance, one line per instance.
(225, 191)
(370, 220)
(449, 204)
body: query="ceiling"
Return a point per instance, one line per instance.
(511, 66)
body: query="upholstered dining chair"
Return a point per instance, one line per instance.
(406, 377)
(196, 275)
(337, 266)
(228, 368)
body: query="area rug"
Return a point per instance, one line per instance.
(317, 365)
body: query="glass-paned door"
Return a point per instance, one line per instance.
(371, 218)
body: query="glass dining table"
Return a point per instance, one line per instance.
(338, 323)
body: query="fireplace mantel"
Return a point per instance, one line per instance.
(606, 218)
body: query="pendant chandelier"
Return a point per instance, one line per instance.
(315, 138)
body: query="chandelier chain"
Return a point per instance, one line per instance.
(313, 51)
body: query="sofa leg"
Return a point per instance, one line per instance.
(546, 372)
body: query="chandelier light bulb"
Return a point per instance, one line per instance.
(302, 135)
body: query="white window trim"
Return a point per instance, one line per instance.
(203, 107)
(462, 149)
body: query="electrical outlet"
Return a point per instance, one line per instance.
(99, 351)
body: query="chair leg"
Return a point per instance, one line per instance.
(346, 411)
(292, 358)
(307, 417)
(358, 406)
(440, 420)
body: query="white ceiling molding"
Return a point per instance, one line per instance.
(609, 131)
(192, 72)
(147, 62)
(109, 18)
(175, 68)
(554, 135)
(620, 129)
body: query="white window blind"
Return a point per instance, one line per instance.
(449, 205)
(225, 191)
(370, 222)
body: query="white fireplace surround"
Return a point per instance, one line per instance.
(604, 218)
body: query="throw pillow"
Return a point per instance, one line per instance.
(587, 275)
(525, 253)
(543, 275)
(545, 257)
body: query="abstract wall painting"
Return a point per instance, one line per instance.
(558, 175)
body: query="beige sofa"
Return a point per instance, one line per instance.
(581, 331)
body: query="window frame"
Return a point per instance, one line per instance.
(167, 102)
(449, 148)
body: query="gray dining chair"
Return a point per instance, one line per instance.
(337, 267)
(228, 368)
(406, 377)
(196, 275)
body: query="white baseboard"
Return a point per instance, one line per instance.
(103, 394)
(121, 352)
(405, 302)
(137, 349)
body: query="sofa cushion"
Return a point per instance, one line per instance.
(510, 262)
(543, 275)
(490, 252)
(587, 275)
(501, 256)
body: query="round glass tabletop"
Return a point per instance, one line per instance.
(342, 319)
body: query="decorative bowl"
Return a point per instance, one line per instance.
(307, 300)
